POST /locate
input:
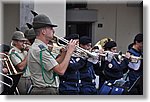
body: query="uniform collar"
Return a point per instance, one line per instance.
(17, 50)
(41, 42)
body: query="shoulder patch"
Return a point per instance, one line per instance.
(13, 50)
(41, 47)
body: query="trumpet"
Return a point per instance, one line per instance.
(5, 59)
(133, 58)
(78, 50)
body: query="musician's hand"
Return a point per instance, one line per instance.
(109, 56)
(5, 70)
(71, 46)
(26, 47)
(63, 50)
(50, 47)
(128, 55)
(101, 51)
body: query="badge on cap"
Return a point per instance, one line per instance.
(110, 65)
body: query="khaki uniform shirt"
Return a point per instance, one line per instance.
(17, 56)
(46, 79)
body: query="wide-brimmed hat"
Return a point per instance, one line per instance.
(30, 34)
(18, 35)
(41, 21)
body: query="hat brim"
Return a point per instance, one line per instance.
(22, 39)
(31, 36)
(41, 25)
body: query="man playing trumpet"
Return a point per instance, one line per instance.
(136, 68)
(79, 78)
(18, 55)
(42, 64)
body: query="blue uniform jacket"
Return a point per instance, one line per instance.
(134, 74)
(114, 70)
(78, 78)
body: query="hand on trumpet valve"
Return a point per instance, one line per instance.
(128, 55)
(26, 46)
(109, 56)
(71, 46)
(94, 59)
(63, 50)
(132, 58)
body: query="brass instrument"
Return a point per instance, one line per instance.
(8, 77)
(102, 42)
(5, 59)
(82, 52)
(78, 50)
(6, 62)
(133, 59)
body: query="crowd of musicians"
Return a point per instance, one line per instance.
(51, 65)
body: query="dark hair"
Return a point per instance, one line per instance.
(85, 40)
(130, 46)
(110, 45)
(138, 38)
(37, 31)
(95, 47)
(73, 36)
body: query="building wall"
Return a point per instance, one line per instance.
(11, 20)
(56, 12)
(20, 15)
(129, 23)
(119, 22)
(25, 14)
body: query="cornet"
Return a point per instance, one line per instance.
(78, 50)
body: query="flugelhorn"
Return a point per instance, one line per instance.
(78, 49)
(5, 59)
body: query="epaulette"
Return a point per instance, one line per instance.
(42, 47)
(13, 50)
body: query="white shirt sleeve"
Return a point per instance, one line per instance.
(134, 66)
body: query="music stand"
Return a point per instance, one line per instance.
(138, 81)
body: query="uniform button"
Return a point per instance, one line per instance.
(79, 81)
